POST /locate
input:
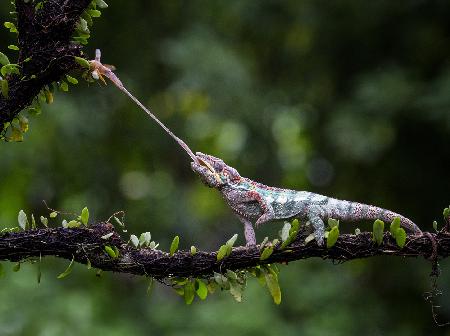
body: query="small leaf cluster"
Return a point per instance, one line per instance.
(82, 32)
(144, 240)
(397, 232)
(14, 130)
(289, 232)
(267, 276)
(25, 222)
(226, 249)
(189, 288)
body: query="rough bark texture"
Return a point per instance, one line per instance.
(86, 243)
(44, 39)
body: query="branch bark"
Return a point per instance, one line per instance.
(87, 243)
(45, 41)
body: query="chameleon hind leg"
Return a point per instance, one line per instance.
(317, 223)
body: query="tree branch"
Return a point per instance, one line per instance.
(87, 243)
(46, 51)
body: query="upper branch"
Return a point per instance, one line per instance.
(46, 51)
(87, 243)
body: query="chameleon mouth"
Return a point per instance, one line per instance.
(210, 168)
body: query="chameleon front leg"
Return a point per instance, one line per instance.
(249, 232)
(243, 203)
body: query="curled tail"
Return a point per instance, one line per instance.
(353, 211)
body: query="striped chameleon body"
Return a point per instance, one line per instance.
(255, 202)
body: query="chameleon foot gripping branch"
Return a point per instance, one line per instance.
(257, 203)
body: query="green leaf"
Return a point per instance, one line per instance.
(333, 236)
(85, 15)
(4, 60)
(144, 238)
(174, 245)
(378, 227)
(73, 224)
(22, 219)
(222, 252)
(189, 292)
(395, 225)
(201, 289)
(64, 86)
(116, 251)
(236, 291)
(295, 225)
(273, 286)
(84, 215)
(284, 234)
(179, 291)
(193, 250)
(107, 236)
(266, 253)
(48, 97)
(83, 62)
(212, 286)
(83, 26)
(11, 26)
(71, 80)
(16, 134)
(134, 240)
(357, 231)
(16, 267)
(9, 69)
(333, 223)
(109, 250)
(101, 4)
(23, 123)
(232, 240)
(64, 223)
(221, 280)
(67, 271)
(13, 47)
(5, 88)
(53, 214)
(94, 13)
(88, 263)
(231, 275)
(435, 225)
(400, 237)
(446, 212)
(33, 222)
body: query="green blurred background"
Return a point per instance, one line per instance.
(346, 98)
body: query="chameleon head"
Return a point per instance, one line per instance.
(213, 171)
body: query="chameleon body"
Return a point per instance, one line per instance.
(257, 203)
